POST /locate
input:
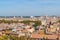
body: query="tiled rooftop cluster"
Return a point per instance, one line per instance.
(49, 27)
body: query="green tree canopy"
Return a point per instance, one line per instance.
(37, 23)
(4, 37)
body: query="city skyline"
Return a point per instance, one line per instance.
(29, 7)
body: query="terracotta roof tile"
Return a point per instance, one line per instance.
(41, 36)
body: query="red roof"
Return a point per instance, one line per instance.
(42, 36)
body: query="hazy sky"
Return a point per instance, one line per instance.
(29, 7)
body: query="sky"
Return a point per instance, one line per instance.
(29, 7)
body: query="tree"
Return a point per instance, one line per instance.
(22, 38)
(37, 23)
(44, 30)
(4, 37)
(26, 21)
(45, 38)
(12, 37)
